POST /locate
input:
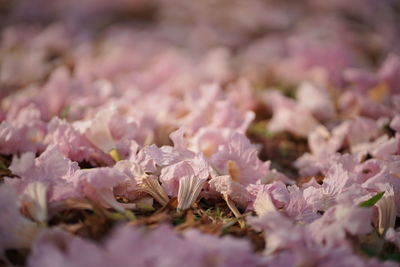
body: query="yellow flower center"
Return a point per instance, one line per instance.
(233, 170)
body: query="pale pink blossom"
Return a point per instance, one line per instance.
(337, 181)
(230, 188)
(171, 175)
(23, 133)
(300, 206)
(239, 159)
(337, 221)
(317, 100)
(289, 115)
(97, 184)
(108, 131)
(71, 143)
(51, 168)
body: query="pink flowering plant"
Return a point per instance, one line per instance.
(199, 133)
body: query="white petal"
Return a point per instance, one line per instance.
(263, 203)
(189, 189)
(35, 199)
(100, 136)
(387, 211)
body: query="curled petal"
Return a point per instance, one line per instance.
(387, 211)
(189, 189)
(151, 186)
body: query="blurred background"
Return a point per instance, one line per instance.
(264, 40)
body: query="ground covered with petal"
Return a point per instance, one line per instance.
(199, 133)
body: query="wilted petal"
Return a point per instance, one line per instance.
(386, 209)
(190, 187)
(97, 184)
(171, 175)
(151, 186)
(225, 185)
(98, 131)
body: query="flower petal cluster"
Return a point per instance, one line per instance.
(249, 116)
